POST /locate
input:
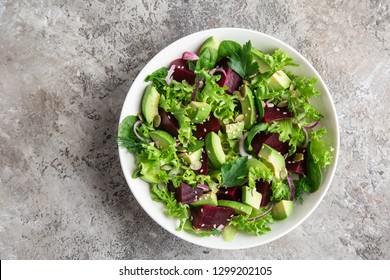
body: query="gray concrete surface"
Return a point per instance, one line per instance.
(65, 69)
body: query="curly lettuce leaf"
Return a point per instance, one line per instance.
(174, 209)
(256, 227)
(258, 170)
(280, 190)
(158, 77)
(321, 151)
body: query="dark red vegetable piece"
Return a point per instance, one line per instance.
(232, 80)
(187, 194)
(202, 129)
(168, 123)
(270, 139)
(210, 217)
(264, 188)
(276, 114)
(233, 193)
(298, 167)
(182, 71)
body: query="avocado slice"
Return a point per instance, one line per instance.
(209, 198)
(214, 150)
(149, 104)
(234, 130)
(257, 57)
(282, 209)
(279, 80)
(162, 139)
(251, 197)
(198, 112)
(229, 232)
(274, 160)
(211, 42)
(239, 208)
(191, 157)
(248, 106)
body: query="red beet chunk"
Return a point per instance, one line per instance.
(232, 80)
(202, 129)
(187, 194)
(210, 217)
(298, 167)
(168, 123)
(264, 188)
(271, 139)
(276, 114)
(233, 193)
(204, 170)
(182, 71)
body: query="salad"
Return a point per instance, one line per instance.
(228, 139)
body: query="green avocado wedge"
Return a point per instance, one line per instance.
(214, 150)
(149, 104)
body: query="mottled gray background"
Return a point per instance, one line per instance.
(65, 69)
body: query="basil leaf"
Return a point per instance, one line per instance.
(227, 47)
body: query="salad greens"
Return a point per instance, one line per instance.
(233, 144)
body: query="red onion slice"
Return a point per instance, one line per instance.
(292, 187)
(190, 56)
(196, 88)
(218, 69)
(136, 124)
(203, 187)
(262, 215)
(312, 125)
(168, 78)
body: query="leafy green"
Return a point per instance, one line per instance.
(288, 131)
(202, 233)
(257, 226)
(207, 59)
(302, 186)
(277, 61)
(126, 137)
(222, 105)
(258, 170)
(280, 190)
(175, 209)
(227, 47)
(241, 61)
(252, 133)
(234, 172)
(321, 151)
(158, 77)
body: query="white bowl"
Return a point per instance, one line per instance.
(265, 43)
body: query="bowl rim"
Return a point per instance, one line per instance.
(330, 169)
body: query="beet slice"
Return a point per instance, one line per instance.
(204, 170)
(233, 193)
(232, 80)
(276, 114)
(168, 123)
(182, 71)
(187, 194)
(264, 188)
(202, 129)
(210, 217)
(271, 139)
(298, 167)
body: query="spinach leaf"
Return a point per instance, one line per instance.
(227, 47)
(314, 174)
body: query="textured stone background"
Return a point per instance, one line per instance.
(65, 69)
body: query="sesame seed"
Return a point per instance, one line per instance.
(191, 218)
(277, 109)
(226, 192)
(202, 109)
(293, 162)
(214, 226)
(249, 108)
(231, 216)
(169, 117)
(284, 113)
(208, 151)
(204, 129)
(201, 171)
(196, 197)
(241, 208)
(228, 220)
(202, 225)
(201, 210)
(289, 161)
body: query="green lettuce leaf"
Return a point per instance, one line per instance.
(234, 172)
(280, 190)
(321, 151)
(174, 209)
(126, 137)
(256, 227)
